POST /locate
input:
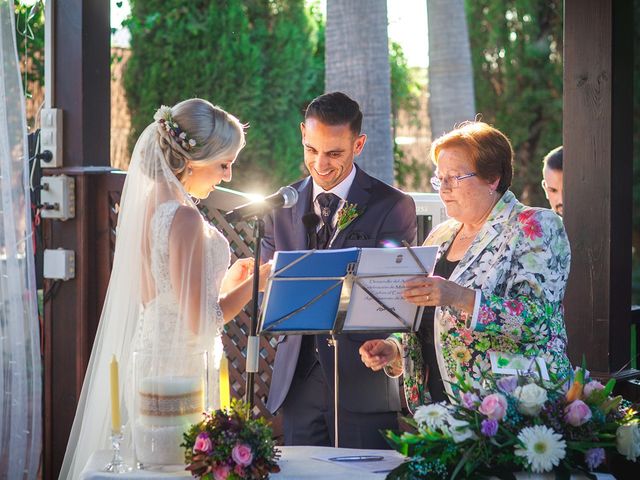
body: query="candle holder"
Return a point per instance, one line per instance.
(116, 465)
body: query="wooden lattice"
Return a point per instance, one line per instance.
(241, 242)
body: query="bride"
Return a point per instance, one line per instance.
(171, 288)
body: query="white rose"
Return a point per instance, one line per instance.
(530, 398)
(628, 441)
(460, 430)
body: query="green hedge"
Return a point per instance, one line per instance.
(261, 60)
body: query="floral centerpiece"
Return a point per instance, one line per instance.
(230, 445)
(519, 423)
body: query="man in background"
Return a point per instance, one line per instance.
(552, 179)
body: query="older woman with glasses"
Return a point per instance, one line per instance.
(494, 303)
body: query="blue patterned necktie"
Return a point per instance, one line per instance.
(328, 203)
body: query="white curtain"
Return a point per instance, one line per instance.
(20, 379)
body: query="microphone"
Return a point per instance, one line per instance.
(286, 197)
(310, 221)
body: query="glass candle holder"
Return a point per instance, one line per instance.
(116, 465)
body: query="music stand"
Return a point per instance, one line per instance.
(310, 292)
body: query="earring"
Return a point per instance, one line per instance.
(491, 192)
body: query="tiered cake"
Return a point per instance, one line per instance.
(166, 406)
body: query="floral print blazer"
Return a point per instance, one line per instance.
(518, 264)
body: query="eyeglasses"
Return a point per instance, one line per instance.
(452, 181)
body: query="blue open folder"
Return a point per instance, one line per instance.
(314, 279)
(351, 289)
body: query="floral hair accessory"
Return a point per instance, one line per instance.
(164, 117)
(346, 215)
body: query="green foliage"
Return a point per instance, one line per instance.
(517, 67)
(405, 97)
(29, 23)
(30, 39)
(258, 59)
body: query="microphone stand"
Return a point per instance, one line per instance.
(253, 341)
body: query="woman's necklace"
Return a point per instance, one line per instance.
(462, 236)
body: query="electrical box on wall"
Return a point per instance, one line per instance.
(59, 264)
(51, 137)
(58, 197)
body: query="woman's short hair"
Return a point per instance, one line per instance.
(218, 135)
(489, 150)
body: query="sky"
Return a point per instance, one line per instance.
(407, 26)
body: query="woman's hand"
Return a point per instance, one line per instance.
(376, 354)
(237, 273)
(437, 291)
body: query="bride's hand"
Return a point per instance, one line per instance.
(265, 270)
(237, 273)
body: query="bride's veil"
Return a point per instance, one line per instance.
(155, 241)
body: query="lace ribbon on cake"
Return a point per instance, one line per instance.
(171, 405)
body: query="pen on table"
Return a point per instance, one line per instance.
(357, 458)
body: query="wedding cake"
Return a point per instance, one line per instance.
(166, 407)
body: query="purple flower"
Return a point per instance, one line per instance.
(470, 400)
(577, 413)
(242, 454)
(203, 444)
(592, 386)
(594, 457)
(507, 384)
(489, 427)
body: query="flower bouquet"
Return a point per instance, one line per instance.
(519, 423)
(230, 444)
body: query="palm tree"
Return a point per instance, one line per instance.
(451, 96)
(357, 63)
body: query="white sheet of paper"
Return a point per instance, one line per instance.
(364, 312)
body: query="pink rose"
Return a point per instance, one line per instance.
(577, 413)
(494, 406)
(242, 454)
(203, 444)
(221, 472)
(592, 386)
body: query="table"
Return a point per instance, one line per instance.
(295, 463)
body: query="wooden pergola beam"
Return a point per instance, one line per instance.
(598, 164)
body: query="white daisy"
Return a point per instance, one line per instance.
(542, 447)
(433, 415)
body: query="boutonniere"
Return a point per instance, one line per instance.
(346, 215)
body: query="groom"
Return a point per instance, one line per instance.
(302, 381)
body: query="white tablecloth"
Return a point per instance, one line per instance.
(295, 463)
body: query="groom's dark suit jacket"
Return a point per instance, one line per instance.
(387, 215)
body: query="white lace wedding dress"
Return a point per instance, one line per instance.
(168, 394)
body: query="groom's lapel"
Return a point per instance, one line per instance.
(359, 195)
(302, 206)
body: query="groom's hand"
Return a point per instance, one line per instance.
(378, 353)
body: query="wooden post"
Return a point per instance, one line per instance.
(597, 137)
(80, 83)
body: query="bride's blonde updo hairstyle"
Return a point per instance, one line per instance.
(209, 134)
